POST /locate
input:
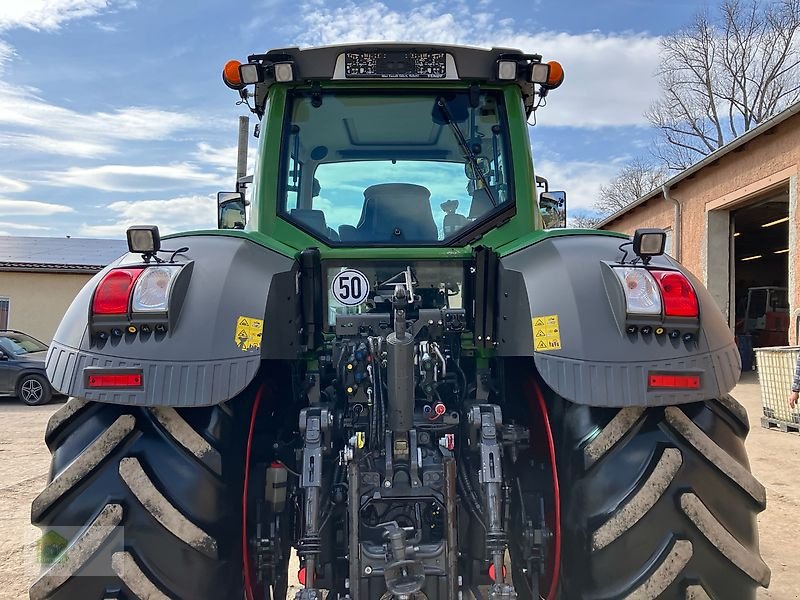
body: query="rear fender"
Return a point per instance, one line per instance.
(213, 347)
(595, 361)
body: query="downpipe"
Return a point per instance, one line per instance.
(676, 226)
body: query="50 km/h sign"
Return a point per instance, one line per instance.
(350, 287)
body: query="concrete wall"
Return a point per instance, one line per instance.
(39, 300)
(767, 163)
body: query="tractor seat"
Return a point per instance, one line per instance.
(391, 207)
(481, 203)
(315, 220)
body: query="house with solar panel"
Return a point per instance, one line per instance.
(40, 276)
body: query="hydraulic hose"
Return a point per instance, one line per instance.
(537, 401)
(468, 491)
(248, 580)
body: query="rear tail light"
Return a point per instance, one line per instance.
(641, 292)
(678, 294)
(112, 296)
(151, 293)
(138, 290)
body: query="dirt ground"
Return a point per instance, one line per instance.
(24, 462)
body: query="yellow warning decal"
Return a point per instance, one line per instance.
(248, 333)
(546, 333)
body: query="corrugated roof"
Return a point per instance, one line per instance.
(714, 156)
(58, 254)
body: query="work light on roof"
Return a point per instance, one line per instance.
(284, 71)
(251, 73)
(507, 70)
(540, 72)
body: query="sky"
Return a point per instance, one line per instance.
(113, 112)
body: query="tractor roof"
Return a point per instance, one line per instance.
(406, 60)
(392, 62)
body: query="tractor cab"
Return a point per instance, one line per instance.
(392, 145)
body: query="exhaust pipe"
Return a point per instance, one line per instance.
(241, 156)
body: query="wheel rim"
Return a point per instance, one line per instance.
(31, 391)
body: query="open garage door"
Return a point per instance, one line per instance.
(760, 271)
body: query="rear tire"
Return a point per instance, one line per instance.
(659, 503)
(146, 500)
(34, 390)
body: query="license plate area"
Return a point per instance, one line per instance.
(395, 65)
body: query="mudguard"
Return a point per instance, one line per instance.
(213, 347)
(561, 286)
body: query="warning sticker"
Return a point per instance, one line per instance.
(546, 333)
(248, 333)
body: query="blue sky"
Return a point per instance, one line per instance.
(112, 112)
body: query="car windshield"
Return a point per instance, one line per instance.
(19, 343)
(394, 169)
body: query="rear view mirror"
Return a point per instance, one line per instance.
(483, 165)
(231, 210)
(455, 107)
(553, 206)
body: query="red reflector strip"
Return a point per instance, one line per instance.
(115, 380)
(686, 382)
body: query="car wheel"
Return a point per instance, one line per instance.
(34, 390)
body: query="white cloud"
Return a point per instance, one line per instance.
(581, 180)
(26, 227)
(173, 215)
(42, 144)
(47, 15)
(106, 27)
(609, 77)
(7, 184)
(23, 108)
(31, 207)
(223, 158)
(6, 52)
(374, 21)
(132, 178)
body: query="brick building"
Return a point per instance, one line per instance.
(732, 219)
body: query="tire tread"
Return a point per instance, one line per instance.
(721, 460)
(181, 513)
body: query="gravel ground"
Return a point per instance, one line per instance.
(24, 463)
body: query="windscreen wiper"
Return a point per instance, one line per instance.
(462, 141)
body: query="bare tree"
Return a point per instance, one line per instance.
(582, 219)
(636, 179)
(723, 75)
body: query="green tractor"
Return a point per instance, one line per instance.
(383, 361)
